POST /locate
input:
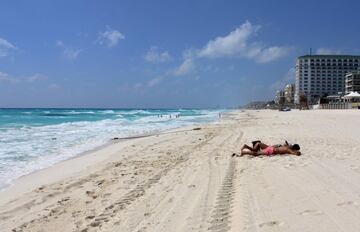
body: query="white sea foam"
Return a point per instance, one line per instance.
(108, 112)
(29, 148)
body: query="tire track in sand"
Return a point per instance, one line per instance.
(221, 214)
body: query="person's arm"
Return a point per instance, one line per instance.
(293, 152)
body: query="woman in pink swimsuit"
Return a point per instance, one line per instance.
(263, 149)
(268, 150)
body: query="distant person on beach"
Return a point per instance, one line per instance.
(260, 148)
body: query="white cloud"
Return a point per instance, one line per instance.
(4, 77)
(155, 56)
(6, 47)
(138, 85)
(186, 67)
(272, 53)
(68, 53)
(110, 37)
(327, 51)
(35, 77)
(232, 44)
(154, 81)
(59, 43)
(189, 53)
(71, 54)
(237, 44)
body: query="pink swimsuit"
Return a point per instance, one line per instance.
(269, 150)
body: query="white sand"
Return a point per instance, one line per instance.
(187, 181)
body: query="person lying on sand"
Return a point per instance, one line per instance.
(260, 148)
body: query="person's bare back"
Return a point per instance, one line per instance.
(286, 149)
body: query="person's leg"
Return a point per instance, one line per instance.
(248, 152)
(252, 153)
(257, 147)
(247, 147)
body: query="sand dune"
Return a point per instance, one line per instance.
(187, 181)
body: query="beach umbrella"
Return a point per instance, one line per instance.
(352, 95)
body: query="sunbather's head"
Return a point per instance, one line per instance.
(295, 147)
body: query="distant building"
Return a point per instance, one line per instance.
(352, 82)
(280, 97)
(289, 93)
(321, 75)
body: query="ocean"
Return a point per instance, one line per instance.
(33, 139)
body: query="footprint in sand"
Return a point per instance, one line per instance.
(271, 224)
(311, 211)
(347, 203)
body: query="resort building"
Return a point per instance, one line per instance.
(280, 97)
(321, 75)
(352, 82)
(289, 93)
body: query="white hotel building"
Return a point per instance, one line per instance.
(319, 75)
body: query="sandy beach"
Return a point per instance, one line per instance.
(187, 180)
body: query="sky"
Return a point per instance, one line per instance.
(163, 54)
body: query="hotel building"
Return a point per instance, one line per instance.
(280, 97)
(352, 82)
(320, 75)
(289, 92)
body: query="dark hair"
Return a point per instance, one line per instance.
(295, 147)
(255, 142)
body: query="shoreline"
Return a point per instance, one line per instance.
(102, 146)
(21, 184)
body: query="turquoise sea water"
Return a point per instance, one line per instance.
(32, 139)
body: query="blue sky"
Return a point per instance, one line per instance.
(153, 54)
